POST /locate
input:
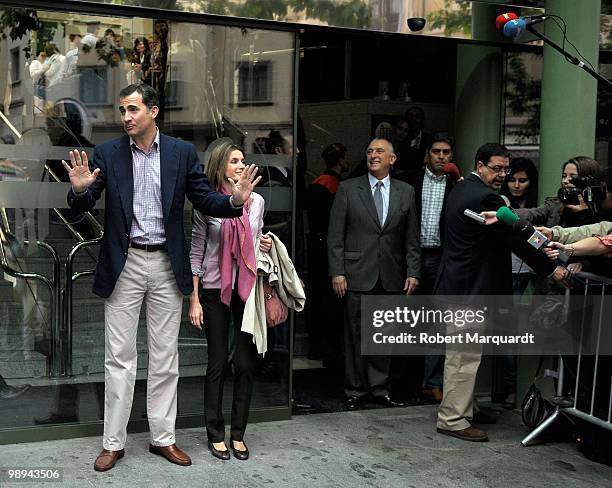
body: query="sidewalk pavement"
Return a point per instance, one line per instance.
(370, 448)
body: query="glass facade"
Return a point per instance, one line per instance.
(221, 77)
(443, 17)
(64, 72)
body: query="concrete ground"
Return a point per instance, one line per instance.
(375, 448)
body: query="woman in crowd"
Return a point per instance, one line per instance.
(141, 59)
(223, 261)
(521, 188)
(554, 211)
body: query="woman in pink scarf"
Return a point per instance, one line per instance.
(223, 261)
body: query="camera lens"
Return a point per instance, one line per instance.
(569, 196)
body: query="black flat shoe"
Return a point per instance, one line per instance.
(238, 454)
(223, 455)
(352, 402)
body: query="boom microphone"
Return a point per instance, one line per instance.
(515, 27)
(502, 19)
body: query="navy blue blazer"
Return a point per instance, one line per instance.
(181, 176)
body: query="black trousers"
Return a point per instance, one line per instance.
(433, 373)
(217, 317)
(362, 374)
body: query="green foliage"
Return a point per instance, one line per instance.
(354, 13)
(262, 9)
(20, 21)
(605, 30)
(523, 97)
(452, 19)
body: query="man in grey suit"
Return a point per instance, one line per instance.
(373, 248)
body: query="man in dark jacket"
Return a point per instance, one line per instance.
(373, 248)
(476, 261)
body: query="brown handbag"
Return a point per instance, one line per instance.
(276, 311)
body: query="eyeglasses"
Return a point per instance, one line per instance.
(446, 152)
(500, 169)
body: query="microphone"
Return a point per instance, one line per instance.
(536, 238)
(502, 19)
(515, 27)
(451, 169)
(474, 216)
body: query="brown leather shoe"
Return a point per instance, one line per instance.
(471, 434)
(107, 459)
(172, 454)
(433, 393)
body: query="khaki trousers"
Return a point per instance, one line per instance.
(460, 369)
(148, 277)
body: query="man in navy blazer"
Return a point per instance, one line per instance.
(144, 257)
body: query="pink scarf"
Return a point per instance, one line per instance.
(236, 244)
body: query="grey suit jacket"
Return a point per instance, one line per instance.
(363, 250)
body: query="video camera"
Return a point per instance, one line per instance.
(592, 189)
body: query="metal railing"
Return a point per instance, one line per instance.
(61, 301)
(572, 408)
(67, 301)
(91, 220)
(52, 284)
(70, 278)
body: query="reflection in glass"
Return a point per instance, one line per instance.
(65, 74)
(523, 79)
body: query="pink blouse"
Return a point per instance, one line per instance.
(204, 253)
